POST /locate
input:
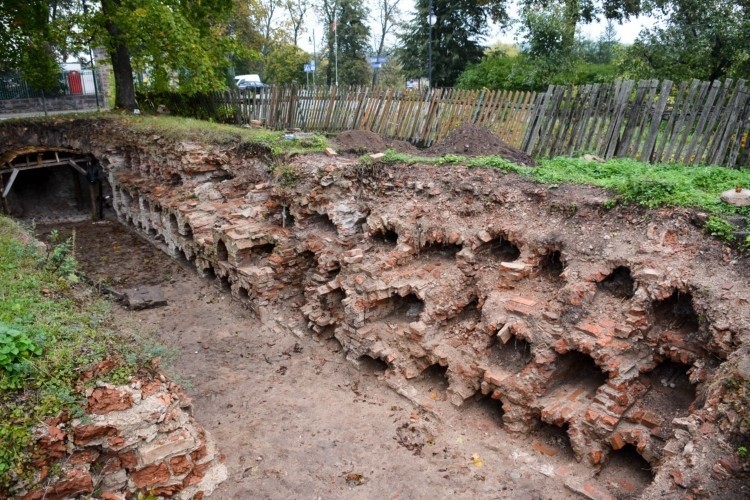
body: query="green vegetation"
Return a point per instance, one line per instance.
(51, 331)
(634, 182)
(188, 129)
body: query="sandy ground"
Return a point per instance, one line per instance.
(295, 419)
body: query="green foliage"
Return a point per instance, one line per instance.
(50, 332)
(60, 259)
(456, 37)
(352, 33)
(546, 57)
(186, 39)
(742, 452)
(285, 175)
(695, 39)
(285, 65)
(719, 228)
(15, 350)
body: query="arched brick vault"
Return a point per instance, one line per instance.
(41, 169)
(625, 318)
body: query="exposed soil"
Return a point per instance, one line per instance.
(470, 140)
(364, 141)
(360, 142)
(297, 420)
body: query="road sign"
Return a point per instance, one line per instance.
(308, 69)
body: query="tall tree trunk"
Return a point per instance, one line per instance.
(572, 14)
(120, 55)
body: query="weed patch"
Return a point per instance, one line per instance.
(52, 329)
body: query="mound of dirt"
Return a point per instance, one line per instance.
(359, 141)
(364, 141)
(470, 140)
(403, 147)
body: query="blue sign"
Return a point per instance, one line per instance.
(308, 69)
(377, 62)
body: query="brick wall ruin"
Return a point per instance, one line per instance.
(616, 325)
(139, 437)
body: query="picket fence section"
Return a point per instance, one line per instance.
(693, 123)
(655, 121)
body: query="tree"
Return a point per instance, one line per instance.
(296, 10)
(285, 64)
(176, 41)
(33, 39)
(387, 16)
(346, 25)
(456, 37)
(574, 12)
(704, 40)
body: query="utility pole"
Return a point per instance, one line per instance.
(336, 41)
(93, 67)
(315, 56)
(431, 18)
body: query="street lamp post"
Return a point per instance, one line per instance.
(431, 19)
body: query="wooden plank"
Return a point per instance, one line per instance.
(694, 112)
(621, 148)
(657, 115)
(528, 144)
(713, 118)
(529, 108)
(741, 145)
(678, 136)
(706, 111)
(551, 120)
(589, 141)
(618, 115)
(666, 136)
(737, 104)
(562, 121)
(592, 91)
(645, 114)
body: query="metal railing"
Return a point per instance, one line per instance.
(13, 86)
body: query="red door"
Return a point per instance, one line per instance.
(75, 84)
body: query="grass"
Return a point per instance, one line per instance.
(181, 129)
(633, 182)
(52, 329)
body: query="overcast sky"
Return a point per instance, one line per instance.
(626, 32)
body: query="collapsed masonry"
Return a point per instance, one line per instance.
(618, 326)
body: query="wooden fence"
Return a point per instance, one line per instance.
(693, 122)
(420, 117)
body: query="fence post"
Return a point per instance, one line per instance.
(478, 107)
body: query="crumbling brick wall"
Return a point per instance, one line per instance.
(134, 438)
(613, 324)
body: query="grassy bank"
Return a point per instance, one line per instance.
(182, 129)
(52, 329)
(633, 182)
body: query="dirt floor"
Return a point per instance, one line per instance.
(295, 419)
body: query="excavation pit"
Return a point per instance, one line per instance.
(255, 374)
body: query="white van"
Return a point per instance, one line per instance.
(246, 78)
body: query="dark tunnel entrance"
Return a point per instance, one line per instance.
(53, 185)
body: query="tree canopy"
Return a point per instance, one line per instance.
(460, 27)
